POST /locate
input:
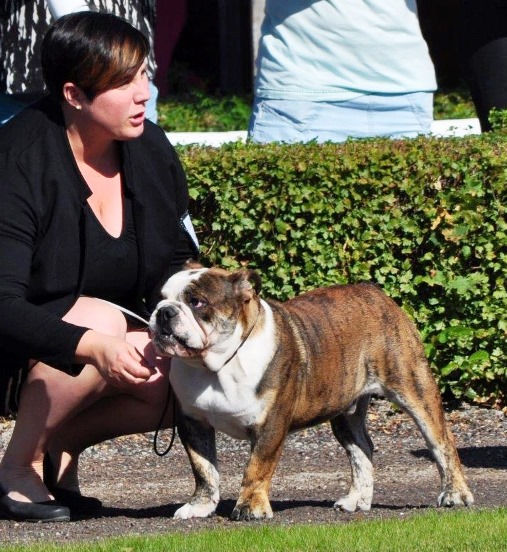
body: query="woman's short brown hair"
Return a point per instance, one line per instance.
(95, 51)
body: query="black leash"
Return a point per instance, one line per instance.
(169, 391)
(164, 412)
(159, 427)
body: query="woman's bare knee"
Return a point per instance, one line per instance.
(97, 315)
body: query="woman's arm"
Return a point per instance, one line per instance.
(26, 328)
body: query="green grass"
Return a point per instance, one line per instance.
(198, 112)
(435, 531)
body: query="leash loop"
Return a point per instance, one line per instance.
(159, 427)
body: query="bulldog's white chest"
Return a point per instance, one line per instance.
(226, 405)
(226, 399)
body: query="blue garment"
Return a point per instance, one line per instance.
(151, 104)
(337, 51)
(388, 115)
(8, 107)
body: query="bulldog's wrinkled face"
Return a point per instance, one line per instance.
(203, 310)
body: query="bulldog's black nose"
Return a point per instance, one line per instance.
(165, 315)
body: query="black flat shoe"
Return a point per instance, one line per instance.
(76, 502)
(50, 510)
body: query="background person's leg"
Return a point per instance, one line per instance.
(481, 29)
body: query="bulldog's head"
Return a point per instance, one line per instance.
(206, 313)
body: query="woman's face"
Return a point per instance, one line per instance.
(119, 113)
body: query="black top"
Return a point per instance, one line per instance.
(111, 272)
(43, 230)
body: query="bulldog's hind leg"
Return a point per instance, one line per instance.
(427, 411)
(199, 442)
(350, 430)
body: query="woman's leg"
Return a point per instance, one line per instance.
(113, 416)
(50, 399)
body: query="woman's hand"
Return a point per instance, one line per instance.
(118, 362)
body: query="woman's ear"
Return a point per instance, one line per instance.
(73, 95)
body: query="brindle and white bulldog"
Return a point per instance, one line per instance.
(257, 370)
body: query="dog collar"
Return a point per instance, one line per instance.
(244, 339)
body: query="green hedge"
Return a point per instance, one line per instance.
(423, 218)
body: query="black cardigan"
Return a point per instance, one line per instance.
(42, 230)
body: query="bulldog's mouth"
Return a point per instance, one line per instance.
(169, 343)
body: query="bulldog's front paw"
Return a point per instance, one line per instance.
(352, 502)
(198, 510)
(456, 498)
(251, 511)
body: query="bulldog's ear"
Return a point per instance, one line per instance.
(247, 284)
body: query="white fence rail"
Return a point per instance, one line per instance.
(441, 128)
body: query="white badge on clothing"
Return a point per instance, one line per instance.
(189, 227)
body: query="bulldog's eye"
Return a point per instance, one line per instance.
(196, 303)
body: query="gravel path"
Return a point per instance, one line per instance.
(141, 490)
